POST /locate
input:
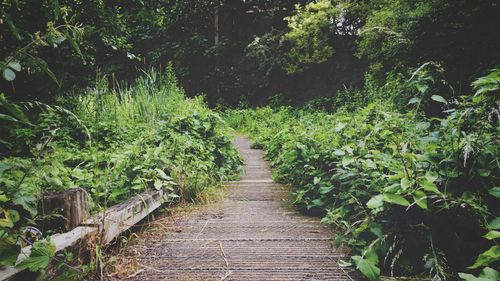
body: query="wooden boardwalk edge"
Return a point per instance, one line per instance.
(117, 219)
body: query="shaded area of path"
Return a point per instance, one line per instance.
(251, 235)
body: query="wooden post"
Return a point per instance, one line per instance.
(65, 210)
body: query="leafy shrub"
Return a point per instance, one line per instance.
(115, 145)
(411, 194)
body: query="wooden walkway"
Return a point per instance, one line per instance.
(253, 234)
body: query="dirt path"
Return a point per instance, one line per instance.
(251, 235)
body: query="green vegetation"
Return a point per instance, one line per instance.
(411, 194)
(377, 116)
(115, 144)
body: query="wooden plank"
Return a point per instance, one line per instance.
(121, 217)
(111, 223)
(60, 240)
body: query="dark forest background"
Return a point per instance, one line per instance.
(243, 52)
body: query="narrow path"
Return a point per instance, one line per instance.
(252, 235)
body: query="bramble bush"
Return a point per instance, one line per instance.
(411, 194)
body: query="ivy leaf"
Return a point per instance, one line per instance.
(396, 199)
(39, 258)
(439, 98)
(8, 74)
(368, 266)
(484, 259)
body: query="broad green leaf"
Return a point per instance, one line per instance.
(39, 258)
(414, 100)
(45, 67)
(495, 191)
(73, 43)
(162, 174)
(431, 176)
(339, 152)
(346, 161)
(487, 274)
(368, 266)
(9, 249)
(484, 259)
(27, 202)
(53, 181)
(493, 234)
(420, 199)
(422, 88)
(439, 98)
(375, 202)
(429, 186)
(12, 27)
(484, 172)
(15, 65)
(396, 199)
(158, 184)
(405, 183)
(316, 180)
(8, 218)
(494, 224)
(8, 74)
(316, 203)
(325, 189)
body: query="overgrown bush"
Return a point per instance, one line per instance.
(115, 144)
(411, 194)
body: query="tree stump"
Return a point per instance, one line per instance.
(63, 211)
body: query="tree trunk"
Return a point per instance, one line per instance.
(216, 26)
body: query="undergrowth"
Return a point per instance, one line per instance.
(412, 193)
(115, 143)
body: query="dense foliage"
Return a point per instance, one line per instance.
(400, 150)
(383, 35)
(411, 194)
(114, 144)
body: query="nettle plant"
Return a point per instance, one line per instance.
(412, 195)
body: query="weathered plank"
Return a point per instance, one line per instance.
(109, 224)
(60, 240)
(121, 217)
